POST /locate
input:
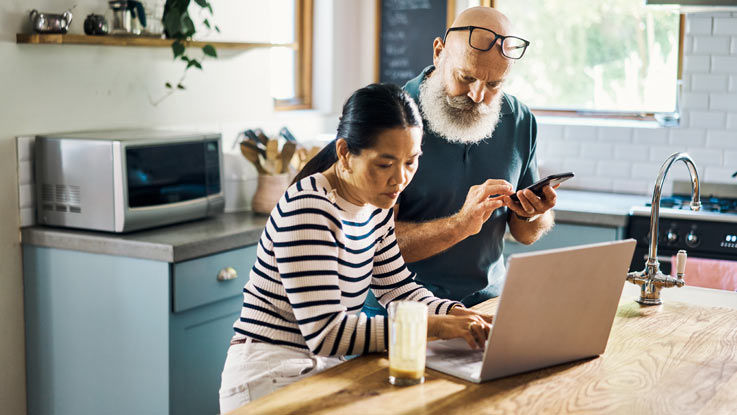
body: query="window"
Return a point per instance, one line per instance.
(597, 56)
(291, 65)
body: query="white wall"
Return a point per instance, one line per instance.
(50, 88)
(626, 158)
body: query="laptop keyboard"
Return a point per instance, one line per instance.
(454, 357)
(461, 357)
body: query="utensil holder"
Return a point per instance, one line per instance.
(269, 190)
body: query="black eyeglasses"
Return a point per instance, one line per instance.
(483, 39)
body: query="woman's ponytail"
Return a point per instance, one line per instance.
(319, 162)
(368, 112)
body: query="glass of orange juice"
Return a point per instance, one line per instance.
(407, 342)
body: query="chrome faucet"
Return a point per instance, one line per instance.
(651, 280)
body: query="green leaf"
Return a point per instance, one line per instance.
(168, 85)
(187, 26)
(178, 48)
(195, 63)
(185, 58)
(180, 86)
(209, 7)
(173, 24)
(201, 3)
(217, 29)
(209, 50)
(207, 23)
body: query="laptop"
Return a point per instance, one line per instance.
(557, 306)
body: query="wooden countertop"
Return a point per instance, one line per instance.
(677, 358)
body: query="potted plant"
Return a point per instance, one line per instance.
(178, 25)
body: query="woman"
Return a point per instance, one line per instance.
(330, 239)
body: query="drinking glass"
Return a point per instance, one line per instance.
(407, 342)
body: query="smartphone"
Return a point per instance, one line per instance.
(552, 180)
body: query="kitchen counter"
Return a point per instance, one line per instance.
(227, 231)
(680, 357)
(596, 208)
(173, 243)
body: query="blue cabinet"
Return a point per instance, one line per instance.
(116, 335)
(566, 234)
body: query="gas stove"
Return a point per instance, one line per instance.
(718, 204)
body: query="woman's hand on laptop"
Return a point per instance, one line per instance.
(457, 310)
(461, 322)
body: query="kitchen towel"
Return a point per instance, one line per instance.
(710, 273)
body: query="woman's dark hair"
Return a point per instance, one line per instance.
(368, 112)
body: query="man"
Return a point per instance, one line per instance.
(478, 148)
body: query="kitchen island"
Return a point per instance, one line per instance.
(677, 358)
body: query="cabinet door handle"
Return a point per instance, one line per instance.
(227, 274)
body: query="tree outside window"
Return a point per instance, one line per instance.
(595, 55)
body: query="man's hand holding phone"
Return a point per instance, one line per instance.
(527, 204)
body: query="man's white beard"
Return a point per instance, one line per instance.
(458, 119)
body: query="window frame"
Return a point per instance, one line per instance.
(625, 115)
(303, 67)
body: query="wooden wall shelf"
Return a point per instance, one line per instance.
(111, 40)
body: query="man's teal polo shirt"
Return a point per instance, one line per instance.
(473, 270)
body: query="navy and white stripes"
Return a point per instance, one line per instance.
(317, 258)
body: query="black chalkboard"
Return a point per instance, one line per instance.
(407, 29)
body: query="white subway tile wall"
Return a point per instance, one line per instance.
(630, 152)
(711, 44)
(687, 137)
(616, 134)
(725, 25)
(631, 186)
(730, 157)
(721, 139)
(651, 136)
(26, 188)
(726, 102)
(732, 122)
(724, 64)
(627, 159)
(696, 63)
(699, 26)
(709, 82)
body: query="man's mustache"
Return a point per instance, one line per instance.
(465, 103)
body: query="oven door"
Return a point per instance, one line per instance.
(702, 269)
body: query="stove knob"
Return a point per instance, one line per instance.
(672, 236)
(692, 239)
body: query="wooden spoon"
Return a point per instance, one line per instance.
(252, 154)
(287, 152)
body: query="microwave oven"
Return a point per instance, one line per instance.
(125, 180)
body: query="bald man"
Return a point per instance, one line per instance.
(478, 148)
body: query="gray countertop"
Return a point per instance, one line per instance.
(595, 208)
(173, 243)
(234, 230)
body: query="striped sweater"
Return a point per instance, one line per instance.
(316, 260)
